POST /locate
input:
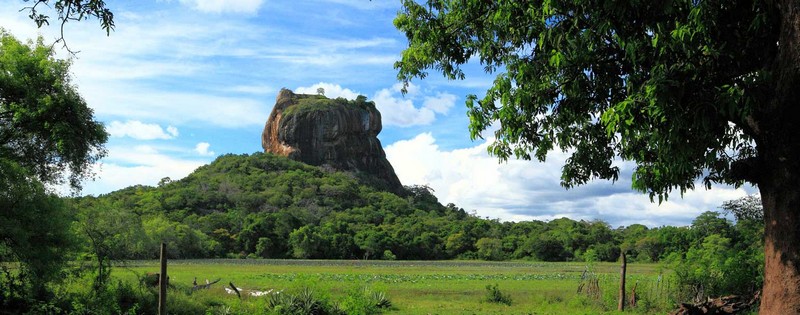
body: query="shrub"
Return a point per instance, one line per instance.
(494, 295)
(716, 267)
(301, 303)
(365, 302)
(388, 255)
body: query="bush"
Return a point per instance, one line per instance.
(302, 303)
(365, 302)
(388, 255)
(716, 268)
(494, 295)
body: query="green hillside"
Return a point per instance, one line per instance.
(269, 206)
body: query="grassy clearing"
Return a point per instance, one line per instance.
(421, 287)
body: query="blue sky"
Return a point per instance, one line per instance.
(180, 82)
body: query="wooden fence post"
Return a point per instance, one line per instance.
(621, 306)
(162, 282)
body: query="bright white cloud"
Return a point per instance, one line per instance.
(140, 131)
(441, 103)
(225, 6)
(202, 149)
(137, 165)
(412, 90)
(524, 190)
(331, 90)
(398, 111)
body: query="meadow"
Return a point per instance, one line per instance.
(415, 287)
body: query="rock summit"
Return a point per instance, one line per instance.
(336, 133)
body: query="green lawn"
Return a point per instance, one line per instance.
(423, 287)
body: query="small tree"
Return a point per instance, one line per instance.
(320, 91)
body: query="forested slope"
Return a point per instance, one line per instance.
(263, 205)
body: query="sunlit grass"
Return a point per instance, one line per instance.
(414, 287)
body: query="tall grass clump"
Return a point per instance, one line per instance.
(364, 301)
(643, 293)
(590, 284)
(494, 295)
(303, 302)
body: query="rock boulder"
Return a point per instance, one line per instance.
(335, 133)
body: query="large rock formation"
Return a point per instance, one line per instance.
(337, 133)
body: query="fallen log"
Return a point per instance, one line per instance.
(731, 304)
(203, 286)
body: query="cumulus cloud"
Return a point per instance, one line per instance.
(225, 6)
(202, 149)
(137, 165)
(140, 131)
(525, 190)
(331, 90)
(398, 111)
(441, 103)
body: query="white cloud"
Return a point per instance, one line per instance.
(524, 190)
(172, 130)
(441, 103)
(398, 111)
(140, 131)
(225, 6)
(331, 90)
(202, 149)
(116, 100)
(251, 89)
(137, 165)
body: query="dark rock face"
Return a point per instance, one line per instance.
(324, 132)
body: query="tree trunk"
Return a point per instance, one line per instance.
(781, 292)
(779, 149)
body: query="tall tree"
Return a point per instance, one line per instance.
(47, 136)
(688, 89)
(45, 125)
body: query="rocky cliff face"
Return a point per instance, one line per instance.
(329, 132)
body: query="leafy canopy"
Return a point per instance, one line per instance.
(45, 125)
(668, 84)
(47, 136)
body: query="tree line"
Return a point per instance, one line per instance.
(265, 206)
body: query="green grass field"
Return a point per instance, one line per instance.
(421, 287)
